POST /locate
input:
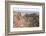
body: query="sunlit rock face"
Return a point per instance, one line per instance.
(18, 20)
(25, 20)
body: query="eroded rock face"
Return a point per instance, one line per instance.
(28, 20)
(18, 20)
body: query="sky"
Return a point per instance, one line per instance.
(21, 8)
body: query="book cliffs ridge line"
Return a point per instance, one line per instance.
(28, 20)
